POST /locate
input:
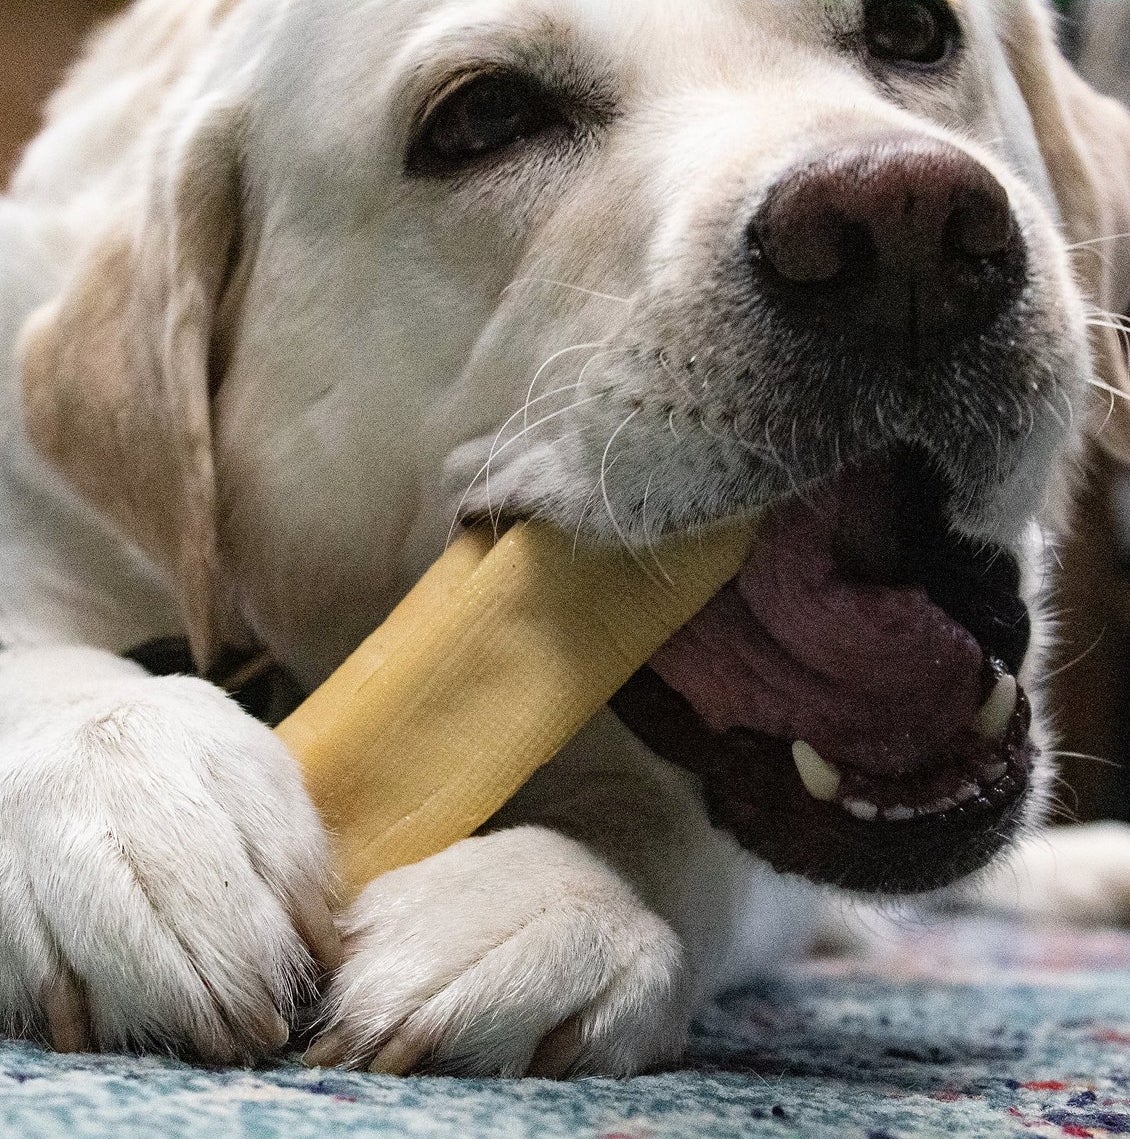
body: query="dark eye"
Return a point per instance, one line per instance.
(483, 117)
(910, 31)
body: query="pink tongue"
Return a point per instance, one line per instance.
(873, 677)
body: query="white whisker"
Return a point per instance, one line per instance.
(1097, 241)
(496, 451)
(649, 542)
(498, 447)
(1094, 322)
(552, 359)
(1076, 660)
(565, 285)
(486, 466)
(586, 509)
(605, 467)
(1113, 392)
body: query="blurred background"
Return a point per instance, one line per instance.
(1099, 33)
(1090, 697)
(38, 38)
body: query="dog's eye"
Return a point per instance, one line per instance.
(910, 31)
(483, 117)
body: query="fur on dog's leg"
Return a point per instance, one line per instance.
(1078, 875)
(160, 863)
(578, 936)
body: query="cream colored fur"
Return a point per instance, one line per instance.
(252, 372)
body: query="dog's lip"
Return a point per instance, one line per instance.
(753, 790)
(956, 788)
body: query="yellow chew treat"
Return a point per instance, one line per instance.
(497, 658)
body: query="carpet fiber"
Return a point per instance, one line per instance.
(954, 1028)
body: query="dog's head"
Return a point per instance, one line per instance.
(634, 268)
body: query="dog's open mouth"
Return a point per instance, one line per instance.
(850, 700)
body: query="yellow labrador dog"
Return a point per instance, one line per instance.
(288, 286)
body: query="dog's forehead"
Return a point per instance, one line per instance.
(634, 37)
(360, 60)
(346, 81)
(644, 34)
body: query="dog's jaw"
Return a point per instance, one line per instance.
(621, 372)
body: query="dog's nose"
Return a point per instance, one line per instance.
(906, 236)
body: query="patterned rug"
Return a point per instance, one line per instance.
(953, 1029)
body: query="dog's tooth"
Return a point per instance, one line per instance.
(939, 807)
(966, 792)
(899, 814)
(865, 812)
(996, 713)
(994, 773)
(821, 780)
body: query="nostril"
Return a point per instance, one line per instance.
(801, 234)
(982, 224)
(905, 235)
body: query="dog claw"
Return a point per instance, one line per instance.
(272, 1031)
(315, 925)
(558, 1053)
(68, 1019)
(399, 1057)
(329, 1050)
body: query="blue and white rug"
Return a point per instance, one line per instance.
(960, 1029)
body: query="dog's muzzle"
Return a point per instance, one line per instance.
(850, 702)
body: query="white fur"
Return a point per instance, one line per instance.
(544, 932)
(157, 843)
(475, 956)
(1076, 875)
(155, 839)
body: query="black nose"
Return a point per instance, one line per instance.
(903, 237)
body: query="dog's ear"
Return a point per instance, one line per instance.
(118, 368)
(1085, 141)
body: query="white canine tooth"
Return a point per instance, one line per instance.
(996, 713)
(939, 807)
(821, 780)
(994, 774)
(899, 814)
(865, 812)
(966, 792)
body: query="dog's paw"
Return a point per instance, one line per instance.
(162, 874)
(511, 953)
(1078, 875)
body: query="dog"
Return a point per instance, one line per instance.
(290, 289)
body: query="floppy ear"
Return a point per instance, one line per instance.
(117, 369)
(1085, 141)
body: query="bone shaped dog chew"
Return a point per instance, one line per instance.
(496, 659)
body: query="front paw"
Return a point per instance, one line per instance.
(515, 952)
(162, 875)
(1079, 875)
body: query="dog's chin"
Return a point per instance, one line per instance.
(850, 701)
